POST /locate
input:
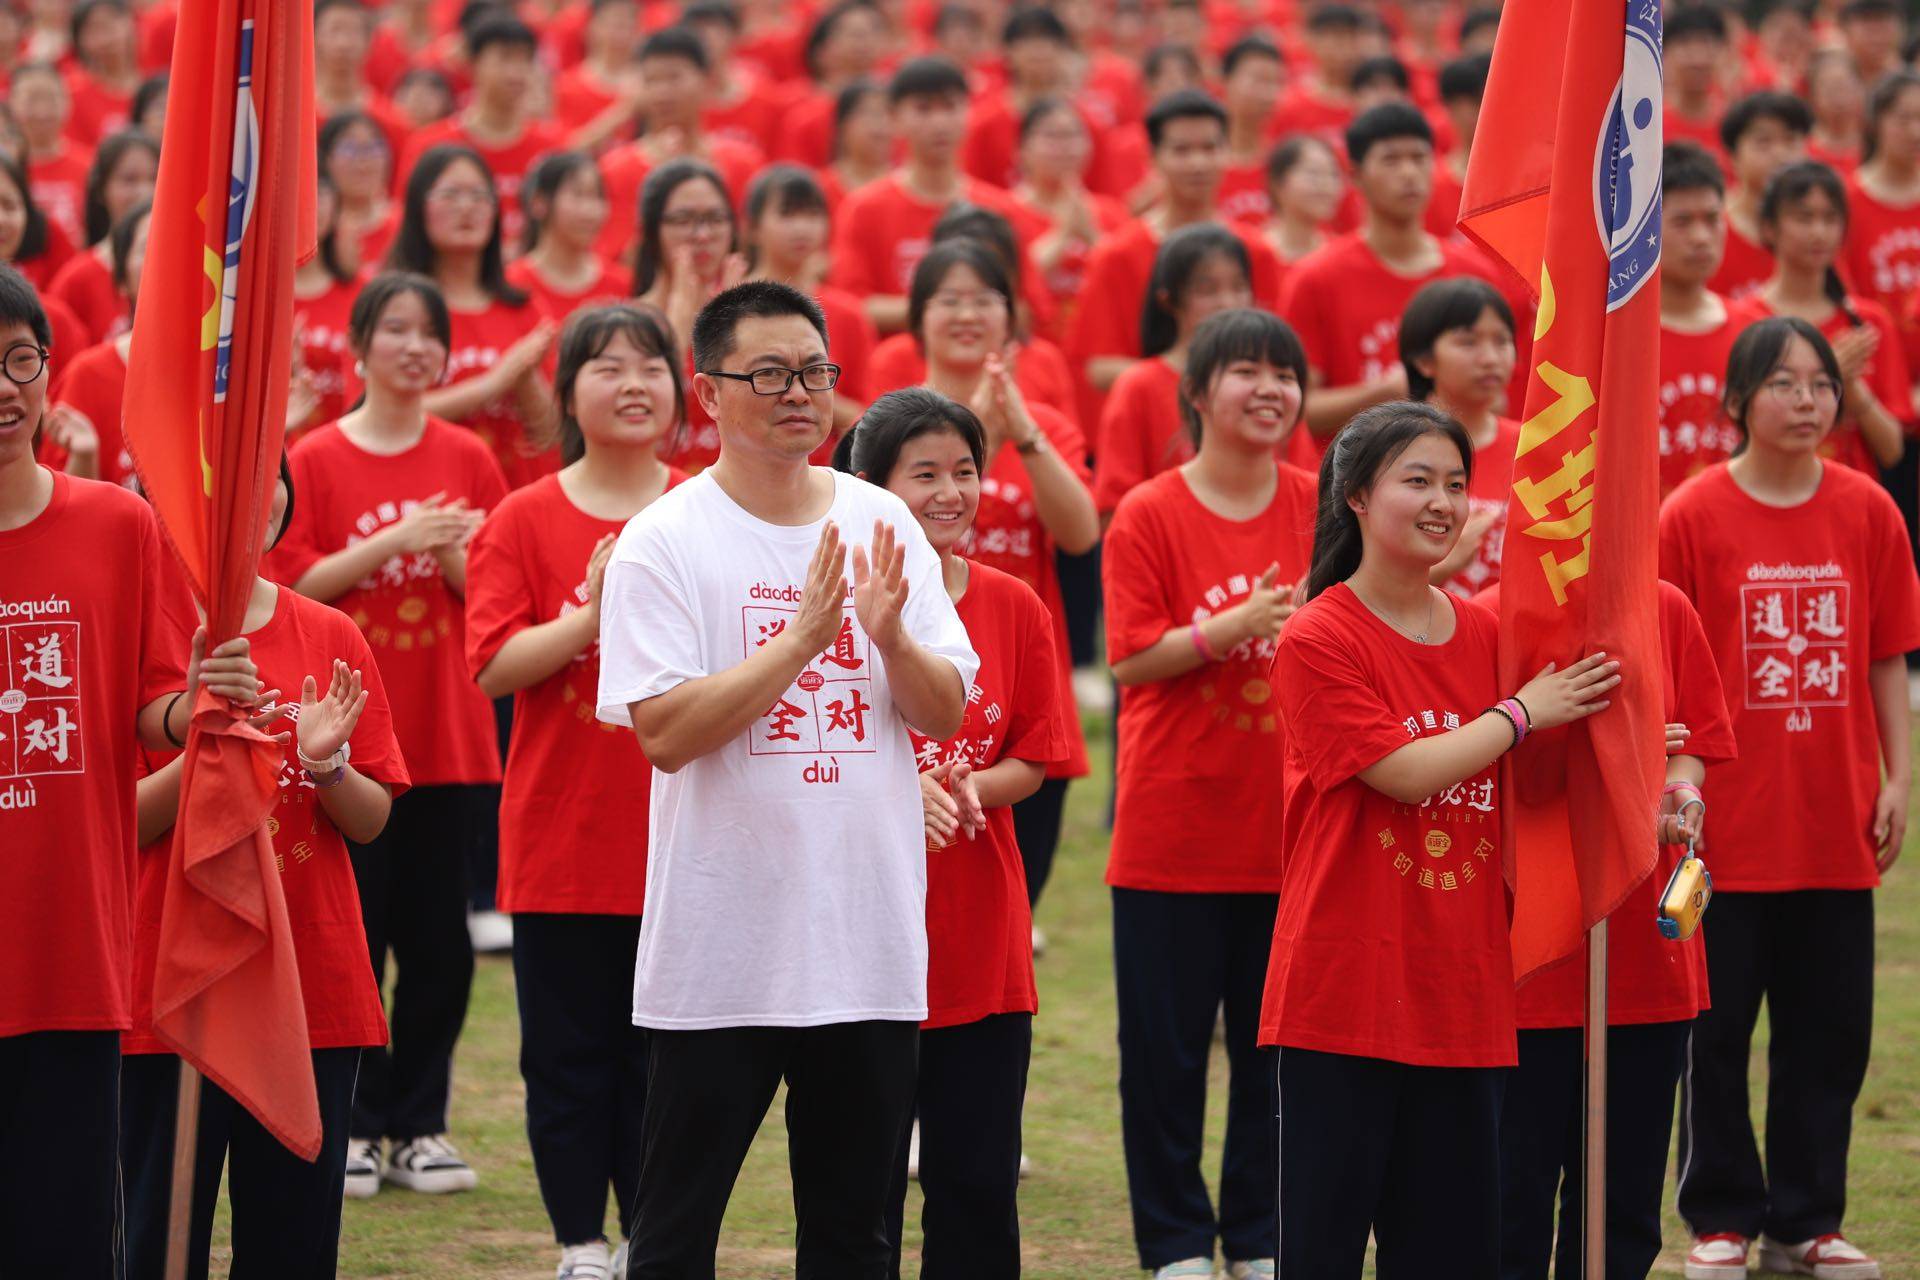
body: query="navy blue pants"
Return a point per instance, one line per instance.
(59, 1117)
(1178, 960)
(1410, 1154)
(585, 1065)
(286, 1212)
(1542, 1149)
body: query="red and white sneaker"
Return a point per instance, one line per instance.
(1828, 1257)
(1717, 1257)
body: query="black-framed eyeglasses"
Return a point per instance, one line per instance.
(23, 362)
(774, 380)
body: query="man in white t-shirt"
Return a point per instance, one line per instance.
(785, 929)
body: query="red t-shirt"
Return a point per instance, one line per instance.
(58, 183)
(323, 347)
(1040, 369)
(96, 110)
(480, 338)
(509, 163)
(882, 231)
(1007, 535)
(852, 338)
(624, 170)
(86, 620)
(1142, 432)
(1885, 372)
(1108, 322)
(608, 286)
(1443, 206)
(301, 639)
(1491, 486)
(1743, 268)
(1199, 753)
(573, 804)
(1243, 193)
(95, 383)
(85, 284)
(1061, 285)
(415, 622)
(752, 117)
(1303, 109)
(1797, 603)
(1881, 257)
(1346, 304)
(1695, 431)
(979, 926)
(806, 130)
(579, 96)
(1391, 941)
(1649, 978)
(1705, 131)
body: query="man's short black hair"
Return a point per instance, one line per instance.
(1168, 51)
(927, 77)
(719, 320)
(1475, 19)
(1688, 166)
(1182, 104)
(19, 304)
(720, 12)
(956, 17)
(1383, 69)
(1869, 9)
(1384, 123)
(1694, 22)
(1035, 23)
(1336, 17)
(500, 28)
(1465, 77)
(1787, 110)
(1250, 46)
(675, 42)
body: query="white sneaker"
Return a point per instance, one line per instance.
(913, 1152)
(1830, 1257)
(430, 1165)
(490, 932)
(1039, 943)
(1254, 1269)
(1188, 1269)
(584, 1262)
(365, 1166)
(619, 1267)
(1720, 1256)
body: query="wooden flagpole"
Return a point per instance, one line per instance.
(186, 1134)
(1593, 1219)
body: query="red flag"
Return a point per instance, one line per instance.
(207, 392)
(1564, 186)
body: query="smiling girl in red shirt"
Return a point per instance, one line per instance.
(1390, 988)
(1803, 220)
(356, 154)
(389, 496)
(1803, 575)
(1201, 563)
(494, 385)
(338, 778)
(981, 999)
(1199, 271)
(1033, 492)
(573, 807)
(566, 207)
(1456, 343)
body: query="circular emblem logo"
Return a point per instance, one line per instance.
(412, 609)
(1438, 842)
(811, 681)
(12, 700)
(1626, 160)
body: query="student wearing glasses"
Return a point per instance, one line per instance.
(772, 679)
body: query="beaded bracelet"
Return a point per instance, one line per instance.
(1500, 709)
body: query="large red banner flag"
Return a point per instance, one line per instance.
(1563, 185)
(207, 382)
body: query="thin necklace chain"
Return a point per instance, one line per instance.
(1419, 637)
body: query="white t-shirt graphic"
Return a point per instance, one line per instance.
(786, 872)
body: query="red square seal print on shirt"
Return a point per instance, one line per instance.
(40, 699)
(1796, 644)
(829, 706)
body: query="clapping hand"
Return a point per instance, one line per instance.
(880, 587)
(327, 722)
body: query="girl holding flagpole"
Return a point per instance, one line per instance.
(1804, 577)
(573, 805)
(340, 773)
(389, 496)
(1389, 993)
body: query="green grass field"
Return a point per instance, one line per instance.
(1074, 1207)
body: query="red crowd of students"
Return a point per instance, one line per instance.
(1121, 275)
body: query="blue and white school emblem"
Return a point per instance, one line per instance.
(1626, 161)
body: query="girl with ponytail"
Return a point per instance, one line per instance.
(1803, 221)
(1389, 991)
